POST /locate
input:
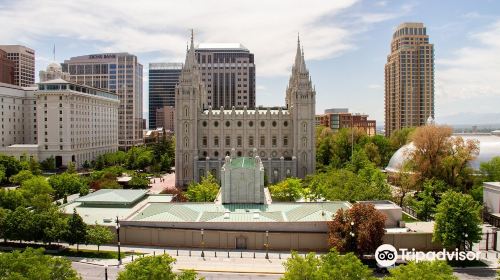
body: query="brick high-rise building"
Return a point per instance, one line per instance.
(24, 64)
(228, 72)
(6, 69)
(120, 73)
(409, 78)
(163, 77)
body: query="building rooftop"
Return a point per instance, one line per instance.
(243, 162)
(112, 197)
(221, 46)
(210, 212)
(106, 213)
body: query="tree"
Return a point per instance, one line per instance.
(289, 189)
(65, 184)
(491, 170)
(329, 266)
(428, 198)
(11, 165)
(2, 173)
(154, 268)
(76, 231)
(401, 137)
(406, 182)
(49, 225)
(359, 229)
(35, 186)
(48, 164)
(71, 168)
(204, 191)
(344, 184)
(33, 264)
(99, 235)
(4, 213)
(20, 177)
(138, 181)
(19, 225)
(457, 221)
(11, 199)
(438, 155)
(426, 270)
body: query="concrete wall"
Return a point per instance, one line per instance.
(255, 240)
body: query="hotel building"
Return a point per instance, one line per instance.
(120, 73)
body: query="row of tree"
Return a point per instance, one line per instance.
(50, 225)
(155, 157)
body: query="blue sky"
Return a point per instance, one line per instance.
(346, 42)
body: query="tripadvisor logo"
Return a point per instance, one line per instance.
(386, 255)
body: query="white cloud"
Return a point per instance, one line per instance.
(374, 86)
(471, 71)
(267, 28)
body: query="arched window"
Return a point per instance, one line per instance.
(304, 142)
(304, 127)
(186, 142)
(186, 111)
(186, 128)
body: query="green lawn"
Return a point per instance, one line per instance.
(408, 219)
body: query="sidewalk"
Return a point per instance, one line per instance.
(214, 260)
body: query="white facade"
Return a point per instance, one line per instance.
(283, 136)
(491, 196)
(71, 122)
(17, 115)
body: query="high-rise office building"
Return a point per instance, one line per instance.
(409, 78)
(165, 118)
(163, 77)
(24, 64)
(7, 67)
(120, 73)
(228, 72)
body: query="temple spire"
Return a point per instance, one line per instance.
(298, 55)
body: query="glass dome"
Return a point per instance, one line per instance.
(489, 147)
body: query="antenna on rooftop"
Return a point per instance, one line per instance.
(54, 52)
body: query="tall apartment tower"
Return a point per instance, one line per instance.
(120, 73)
(163, 77)
(24, 64)
(409, 78)
(228, 71)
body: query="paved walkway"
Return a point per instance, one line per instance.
(167, 181)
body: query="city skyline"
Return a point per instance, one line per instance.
(343, 40)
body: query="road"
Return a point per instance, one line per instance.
(95, 272)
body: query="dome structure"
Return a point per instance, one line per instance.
(489, 147)
(54, 66)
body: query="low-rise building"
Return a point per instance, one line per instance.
(339, 118)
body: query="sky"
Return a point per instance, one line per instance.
(346, 43)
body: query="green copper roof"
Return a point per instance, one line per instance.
(112, 196)
(210, 212)
(243, 162)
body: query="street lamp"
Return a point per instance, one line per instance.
(352, 234)
(202, 244)
(106, 272)
(118, 239)
(267, 244)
